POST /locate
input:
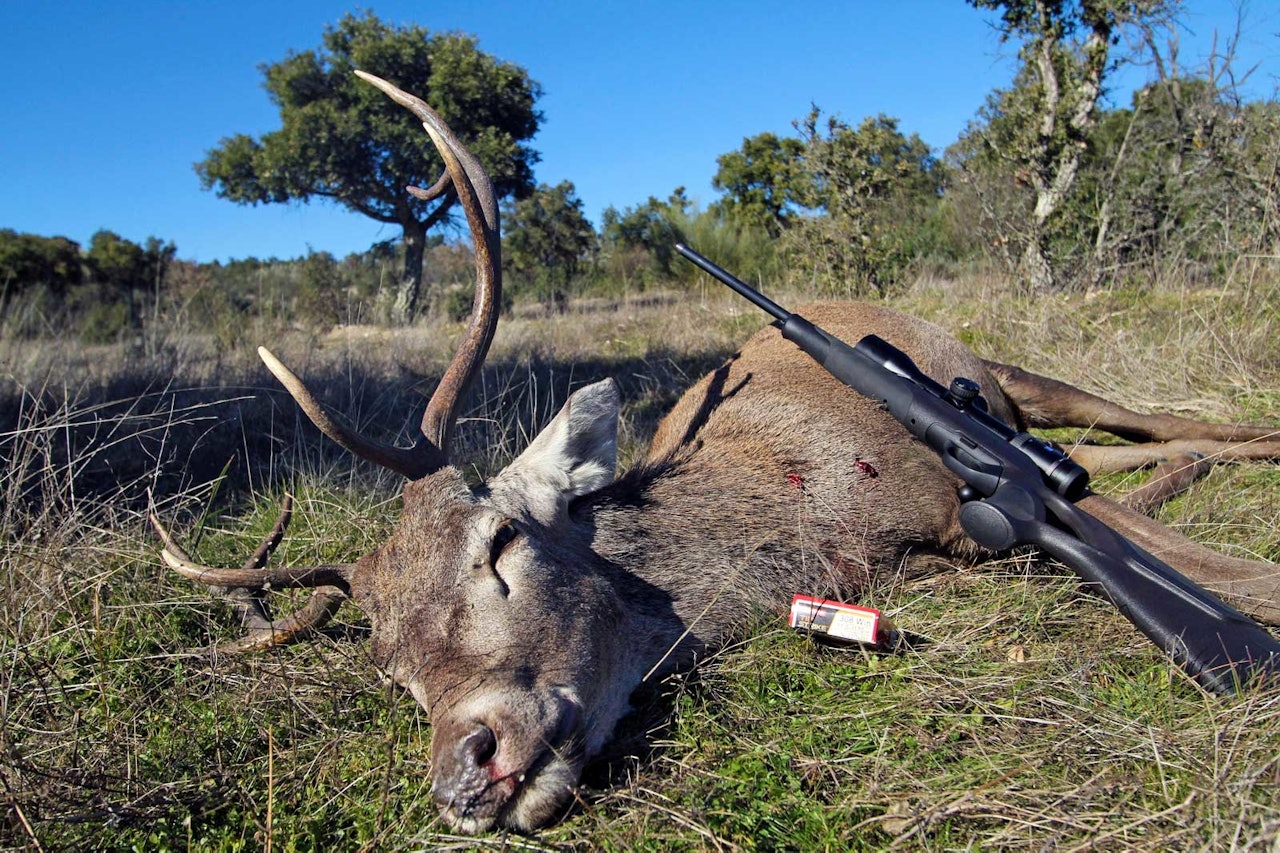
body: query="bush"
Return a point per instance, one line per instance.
(318, 295)
(104, 323)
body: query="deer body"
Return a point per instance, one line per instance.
(770, 477)
(523, 612)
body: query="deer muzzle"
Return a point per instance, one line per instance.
(511, 763)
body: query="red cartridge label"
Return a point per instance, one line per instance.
(835, 619)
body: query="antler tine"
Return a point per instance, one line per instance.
(411, 462)
(290, 577)
(244, 588)
(263, 552)
(435, 190)
(479, 202)
(448, 142)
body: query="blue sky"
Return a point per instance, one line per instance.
(106, 105)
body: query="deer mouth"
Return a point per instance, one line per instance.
(516, 782)
(521, 801)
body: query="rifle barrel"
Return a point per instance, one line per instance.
(736, 284)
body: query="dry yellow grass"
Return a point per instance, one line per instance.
(1031, 717)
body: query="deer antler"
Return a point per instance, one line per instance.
(244, 588)
(475, 192)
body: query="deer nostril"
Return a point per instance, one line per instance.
(480, 746)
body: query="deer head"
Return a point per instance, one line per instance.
(487, 603)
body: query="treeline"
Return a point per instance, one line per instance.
(1182, 183)
(117, 289)
(52, 285)
(1046, 184)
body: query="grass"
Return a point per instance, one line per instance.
(1027, 715)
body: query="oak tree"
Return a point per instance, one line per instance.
(1066, 47)
(764, 181)
(342, 140)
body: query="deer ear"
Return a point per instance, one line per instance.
(574, 455)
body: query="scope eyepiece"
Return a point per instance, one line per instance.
(1067, 478)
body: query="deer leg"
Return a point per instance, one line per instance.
(1170, 478)
(1105, 459)
(1045, 402)
(1250, 585)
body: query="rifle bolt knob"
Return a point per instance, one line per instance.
(963, 391)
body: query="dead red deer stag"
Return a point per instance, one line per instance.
(523, 612)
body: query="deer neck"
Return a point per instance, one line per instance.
(690, 581)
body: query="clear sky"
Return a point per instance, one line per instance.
(105, 105)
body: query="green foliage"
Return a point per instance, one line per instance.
(1059, 19)
(764, 182)
(853, 169)
(1065, 47)
(749, 250)
(1186, 174)
(989, 186)
(338, 133)
(319, 290)
(29, 260)
(879, 190)
(343, 140)
(638, 242)
(314, 292)
(545, 238)
(1183, 177)
(121, 264)
(125, 277)
(853, 209)
(215, 309)
(104, 321)
(48, 286)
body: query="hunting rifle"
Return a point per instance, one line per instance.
(1020, 490)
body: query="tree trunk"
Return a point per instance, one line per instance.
(1035, 263)
(406, 304)
(1055, 160)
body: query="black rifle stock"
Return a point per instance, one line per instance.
(1020, 490)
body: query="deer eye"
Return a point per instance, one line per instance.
(502, 537)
